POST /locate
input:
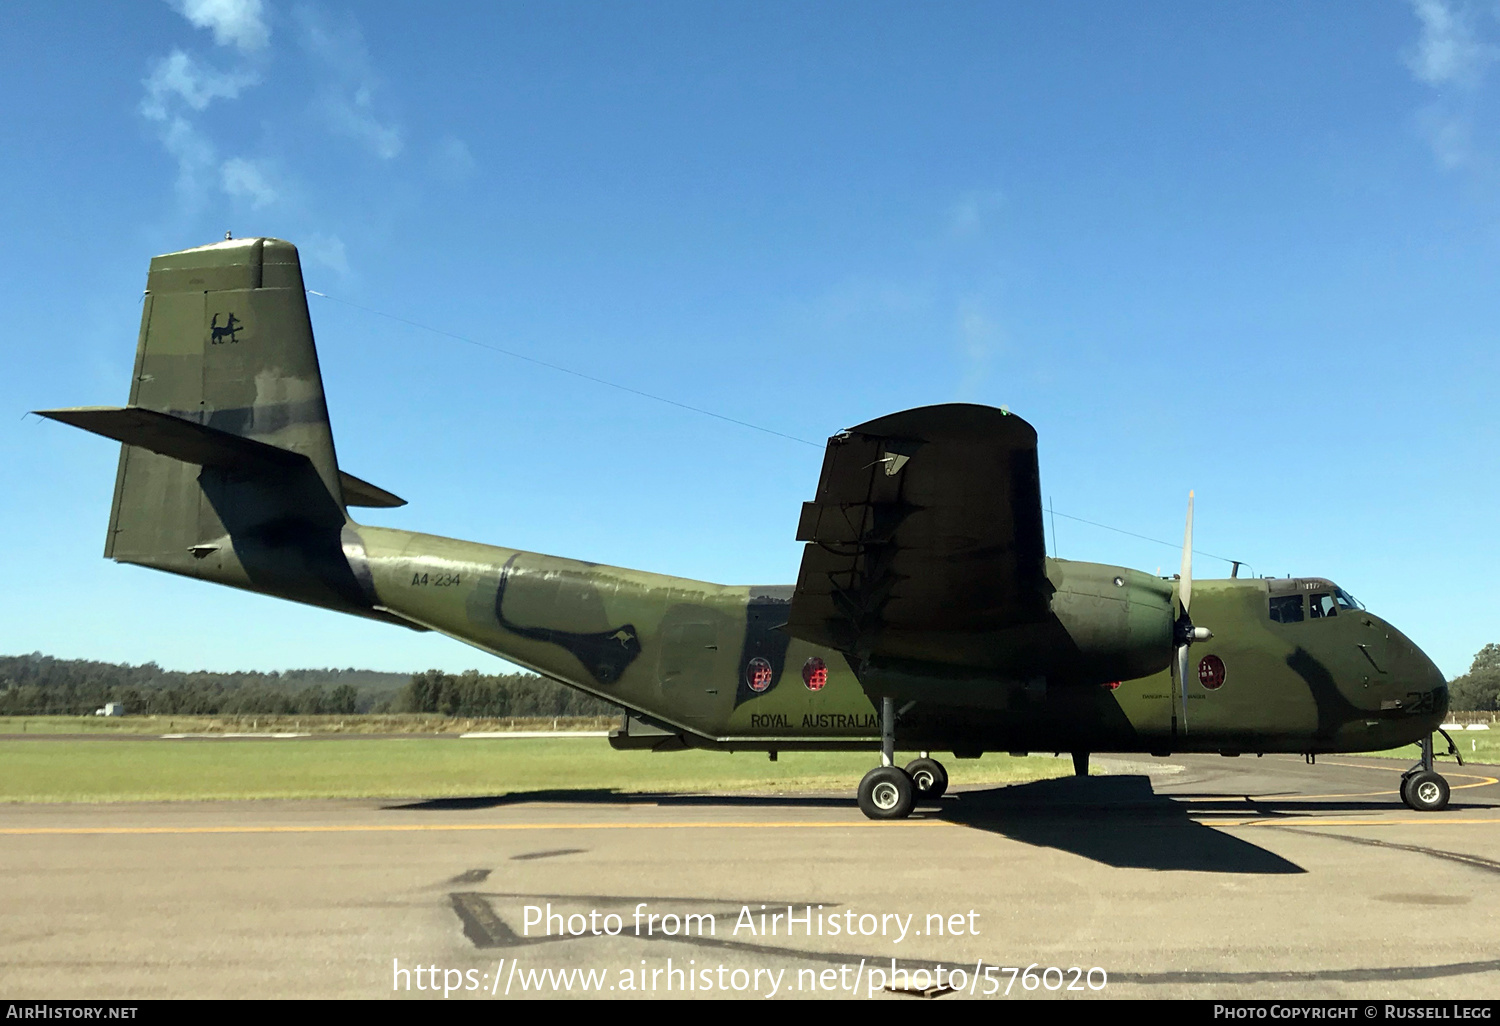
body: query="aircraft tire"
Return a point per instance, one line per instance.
(929, 778)
(1425, 791)
(887, 792)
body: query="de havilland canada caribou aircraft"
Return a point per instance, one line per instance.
(926, 616)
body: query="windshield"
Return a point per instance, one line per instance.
(1321, 605)
(1323, 600)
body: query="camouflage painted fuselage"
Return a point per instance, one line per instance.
(680, 652)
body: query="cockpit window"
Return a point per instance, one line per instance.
(1286, 608)
(1346, 600)
(1322, 605)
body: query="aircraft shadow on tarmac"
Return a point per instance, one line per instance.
(1115, 820)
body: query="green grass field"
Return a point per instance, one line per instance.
(425, 766)
(198, 770)
(1474, 745)
(391, 723)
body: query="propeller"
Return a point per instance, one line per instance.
(1184, 632)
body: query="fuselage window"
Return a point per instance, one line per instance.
(1286, 608)
(1322, 605)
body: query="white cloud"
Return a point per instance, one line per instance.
(354, 115)
(194, 155)
(348, 100)
(238, 23)
(327, 250)
(181, 87)
(452, 162)
(246, 179)
(972, 213)
(179, 79)
(1448, 51)
(1452, 56)
(980, 338)
(177, 88)
(1449, 135)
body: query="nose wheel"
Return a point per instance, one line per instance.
(1423, 789)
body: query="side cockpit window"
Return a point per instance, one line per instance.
(1322, 605)
(1286, 608)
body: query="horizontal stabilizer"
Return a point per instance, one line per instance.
(204, 446)
(363, 493)
(179, 439)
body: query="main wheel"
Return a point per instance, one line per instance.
(929, 777)
(886, 792)
(1425, 791)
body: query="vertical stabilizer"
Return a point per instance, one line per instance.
(226, 343)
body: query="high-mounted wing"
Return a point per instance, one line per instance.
(927, 524)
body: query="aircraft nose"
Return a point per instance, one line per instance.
(1422, 676)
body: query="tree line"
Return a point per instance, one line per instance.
(489, 695)
(1479, 689)
(39, 685)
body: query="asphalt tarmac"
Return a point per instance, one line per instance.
(1206, 878)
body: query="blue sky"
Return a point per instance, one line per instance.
(1244, 248)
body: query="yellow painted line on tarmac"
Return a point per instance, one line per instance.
(328, 828)
(1481, 781)
(1287, 821)
(1478, 782)
(1285, 797)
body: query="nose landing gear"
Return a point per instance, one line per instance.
(1423, 789)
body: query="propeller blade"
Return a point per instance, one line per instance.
(1182, 672)
(1185, 588)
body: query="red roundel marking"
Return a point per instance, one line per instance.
(814, 674)
(1211, 672)
(758, 674)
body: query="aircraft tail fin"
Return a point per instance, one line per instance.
(228, 470)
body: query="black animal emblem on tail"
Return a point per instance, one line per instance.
(229, 330)
(605, 654)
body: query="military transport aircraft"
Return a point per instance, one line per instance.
(926, 616)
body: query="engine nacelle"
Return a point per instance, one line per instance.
(1116, 623)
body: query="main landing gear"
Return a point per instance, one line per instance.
(1423, 789)
(888, 791)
